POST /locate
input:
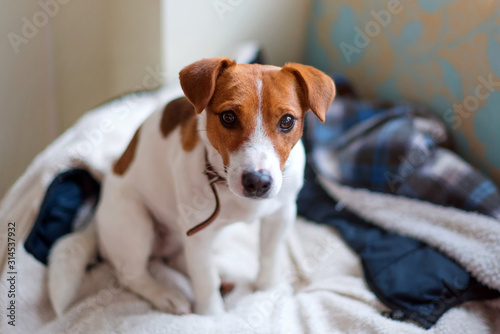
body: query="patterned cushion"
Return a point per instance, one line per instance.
(442, 53)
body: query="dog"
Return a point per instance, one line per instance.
(236, 132)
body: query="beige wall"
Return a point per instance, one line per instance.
(87, 52)
(195, 29)
(27, 112)
(99, 47)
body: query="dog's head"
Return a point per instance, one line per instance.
(254, 116)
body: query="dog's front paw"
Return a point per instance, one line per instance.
(266, 281)
(172, 301)
(213, 306)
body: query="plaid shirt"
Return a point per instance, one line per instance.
(397, 149)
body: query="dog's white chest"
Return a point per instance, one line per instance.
(234, 209)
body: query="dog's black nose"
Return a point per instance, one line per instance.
(256, 184)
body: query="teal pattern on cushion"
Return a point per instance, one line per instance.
(452, 79)
(442, 53)
(431, 5)
(488, 130)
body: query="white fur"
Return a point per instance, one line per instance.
(166, 183)
(256, 154)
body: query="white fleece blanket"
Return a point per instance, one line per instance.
(336, 300)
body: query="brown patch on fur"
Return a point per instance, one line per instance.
(226, 287)
(317, 88)
(198, 80)
(122, 164)
(281, 96)
(189, 134)
(180, 112)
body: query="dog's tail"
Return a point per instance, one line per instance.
(68, 261)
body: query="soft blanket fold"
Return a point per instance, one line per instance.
(412, 278)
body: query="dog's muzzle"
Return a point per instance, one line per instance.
(256, 184)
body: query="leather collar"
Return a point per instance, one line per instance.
(213, 177)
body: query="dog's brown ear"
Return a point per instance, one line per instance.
(198, 80)
(318, 89)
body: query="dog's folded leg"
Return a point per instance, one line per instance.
(127, 238)
(272, 233)
(166, 299)
(203, 273)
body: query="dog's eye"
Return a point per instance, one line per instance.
(228, 118)
(286, 123)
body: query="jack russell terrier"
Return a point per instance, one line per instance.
(236, 132)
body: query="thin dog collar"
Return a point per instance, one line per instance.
(213, 177)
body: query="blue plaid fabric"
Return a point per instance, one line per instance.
(398, 149)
